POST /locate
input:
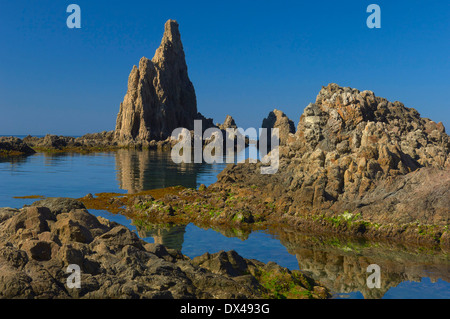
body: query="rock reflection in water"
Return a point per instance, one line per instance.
(143, 170)
(341, 265)
(169, 235)
(150, 169)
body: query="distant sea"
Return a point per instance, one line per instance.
(23, 136)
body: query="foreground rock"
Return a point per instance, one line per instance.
(38, 243)
(13, 146)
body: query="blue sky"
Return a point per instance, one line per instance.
(245, 58)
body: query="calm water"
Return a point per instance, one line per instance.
(339, 264)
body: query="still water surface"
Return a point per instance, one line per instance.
(340, 264)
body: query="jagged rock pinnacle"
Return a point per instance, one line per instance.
(160, 95)
(170, 44)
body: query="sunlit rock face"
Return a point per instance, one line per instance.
(160, 95)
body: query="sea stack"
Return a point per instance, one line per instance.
(160, 95)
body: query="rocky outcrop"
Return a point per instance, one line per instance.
(160, 95)
(37, 244)
(277, 119)
(14, 146)
(228, 123)
(354, 151)
(88, 142)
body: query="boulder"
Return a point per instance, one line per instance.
(58, 205)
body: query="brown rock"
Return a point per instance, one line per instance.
(350, 146)
(114, 262)
(277, 119)
(13, 146)
(160, 95)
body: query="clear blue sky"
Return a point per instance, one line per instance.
(245, 58)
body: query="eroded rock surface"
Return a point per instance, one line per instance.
(37, 244)
(277, 119)
(14, 146)
(160, 95)
(356, 152)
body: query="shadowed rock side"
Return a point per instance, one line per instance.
(356, 152)
(277, 119)
(160, 95)
(38, 243)
(13, 146)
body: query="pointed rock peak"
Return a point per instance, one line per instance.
(170, 44)
(229, 123)
(171, 32)
(160, 95)
(277, 119)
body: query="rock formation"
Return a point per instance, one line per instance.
(358, 152)
(38, 243)
(277, 119)
(13, 146)
(103, 140)
(160, 95)
(228, 123)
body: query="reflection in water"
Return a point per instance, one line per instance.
(14, 160)
(169, 235)
(342, 264)
(143, 170)
(339, 264)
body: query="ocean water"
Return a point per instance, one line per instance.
(339, 264)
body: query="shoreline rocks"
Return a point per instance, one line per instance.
(358, 153)
(238, 210)
(13, 146)
(38, 243)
